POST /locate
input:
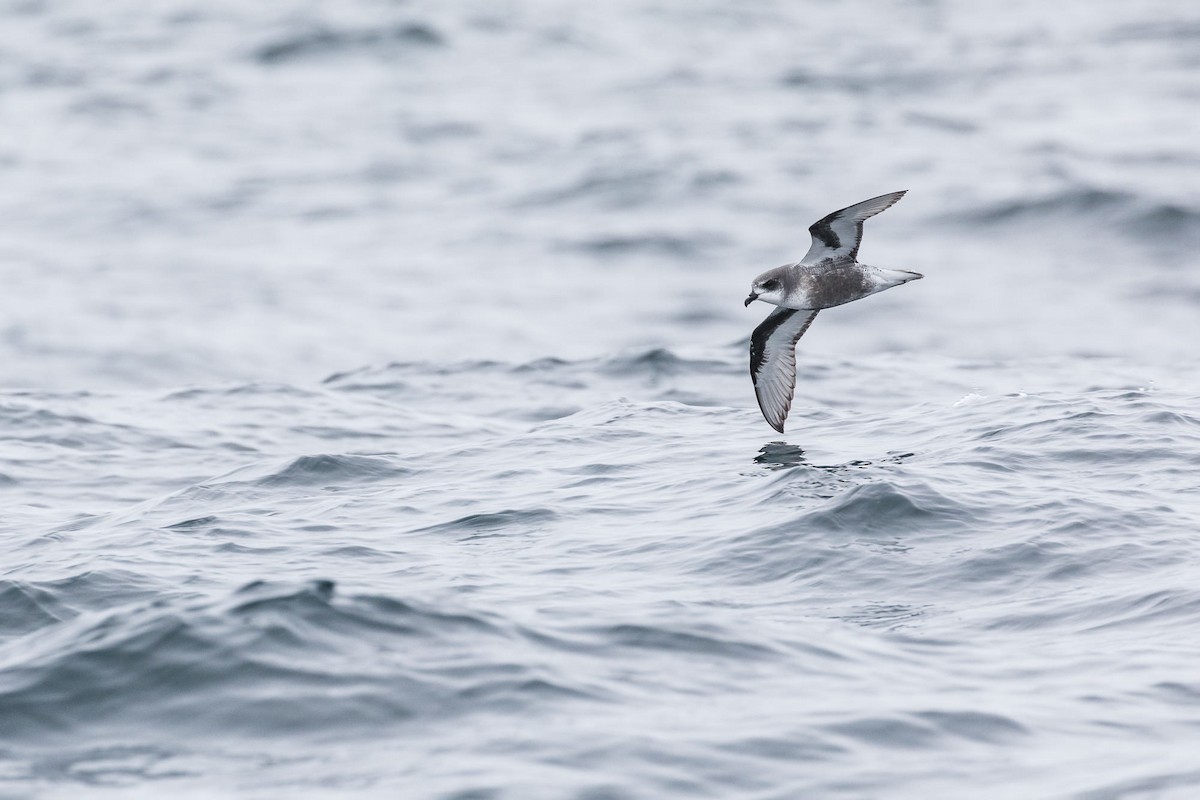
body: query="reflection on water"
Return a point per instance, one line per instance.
(780, 455)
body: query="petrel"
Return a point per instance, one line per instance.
(828, 275)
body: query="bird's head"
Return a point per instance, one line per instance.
(769, 287)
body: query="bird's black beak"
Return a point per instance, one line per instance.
(751, 299)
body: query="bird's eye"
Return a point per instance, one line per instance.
(771, 285)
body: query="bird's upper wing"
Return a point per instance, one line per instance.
(840, 233)
(773, 361)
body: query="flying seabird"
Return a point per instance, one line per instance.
(828, 275)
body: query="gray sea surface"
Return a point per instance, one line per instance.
(375, 419)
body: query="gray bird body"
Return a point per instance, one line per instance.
(831, 282)
(828, 275)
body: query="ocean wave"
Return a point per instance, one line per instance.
(648, 362)
(548, 389)
(607, 173)
(472, 525)
(1177, 784)
(675, 245)
(1175, 31)
(324, 41)
(893, 79)
(41, 420)
(885, 508)
(659, 362)
(269, 659)
(1139, 610)
(682, 641)
(26, 608)
(929, 729)
(318, 470)
(1131, 213)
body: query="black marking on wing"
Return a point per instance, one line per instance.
(758, 339)
(773, 361)
(832, 230)
(821, 231)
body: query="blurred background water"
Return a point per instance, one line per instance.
(376, 422)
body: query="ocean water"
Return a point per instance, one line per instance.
(375, 417)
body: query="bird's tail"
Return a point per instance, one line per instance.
(887, 278)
